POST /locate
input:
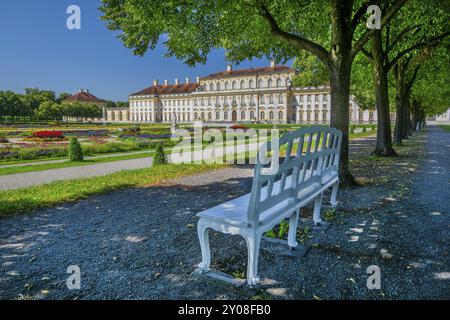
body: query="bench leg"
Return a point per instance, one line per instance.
(253, 243)
(292, 235)
(317, 207)
(334, 191)
(203, 236)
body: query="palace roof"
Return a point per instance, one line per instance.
(167, 89)
(249, 72)
(85, 96)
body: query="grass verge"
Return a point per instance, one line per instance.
(65, 164)
(27, 199)
(444, 127)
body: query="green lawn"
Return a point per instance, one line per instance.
(445, 127)
(27, 199)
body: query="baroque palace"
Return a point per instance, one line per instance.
(263, 94)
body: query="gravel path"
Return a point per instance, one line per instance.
(28, 179)
(142, 243)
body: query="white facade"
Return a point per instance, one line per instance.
(246, 95)
(444, 117)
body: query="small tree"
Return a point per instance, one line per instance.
(160, 156)
(75, 151)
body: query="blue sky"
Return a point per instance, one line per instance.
(37, 50)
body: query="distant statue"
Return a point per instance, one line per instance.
(174, 120)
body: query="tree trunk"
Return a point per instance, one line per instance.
(340, 93)
(384, 140)
(400, 104)
(340, 67)
(415, 116)
(407, 124)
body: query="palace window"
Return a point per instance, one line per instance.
(252, 115)
(280, 99)
(250, 84)
(271, 115)
(263, 115)
(370, 116)
(324, 115)
(301, 116)
(271, 99)
(226, 85)
(260, 83)
(195, 116)
(217, 115)
(308, 115)
(242, 86)
(280, 115)
(309, 98)
(263, 99)
(211, 87)
(225, 115)
(269, 83)
(278, 82)
(218, 86)
(233, 86)
(242, 100)
(242, 115)
(209, 116)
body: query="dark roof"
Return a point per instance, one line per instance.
(248, 72)
(167, 89)
(84, 96)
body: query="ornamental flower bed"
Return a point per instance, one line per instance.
(238, 127)
(146, 136)
(88, 133)
(46, 136)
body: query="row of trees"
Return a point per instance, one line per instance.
(375, 63)
(52, 110)
(44, 104)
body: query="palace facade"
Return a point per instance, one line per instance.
(262, 94)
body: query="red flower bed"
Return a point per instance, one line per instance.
(238, 126)
(48, 134)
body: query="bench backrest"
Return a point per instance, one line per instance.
(310, 152)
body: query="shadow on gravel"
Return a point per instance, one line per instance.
(142, 244)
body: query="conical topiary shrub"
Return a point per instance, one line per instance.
(160, 156)
(75, 151)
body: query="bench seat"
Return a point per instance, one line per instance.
(276, 195)
(234, 212)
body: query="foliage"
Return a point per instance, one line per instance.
(310, 71)
(75, 151)
(160, 156)
(3, 138)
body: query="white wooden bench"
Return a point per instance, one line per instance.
(277, 194)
